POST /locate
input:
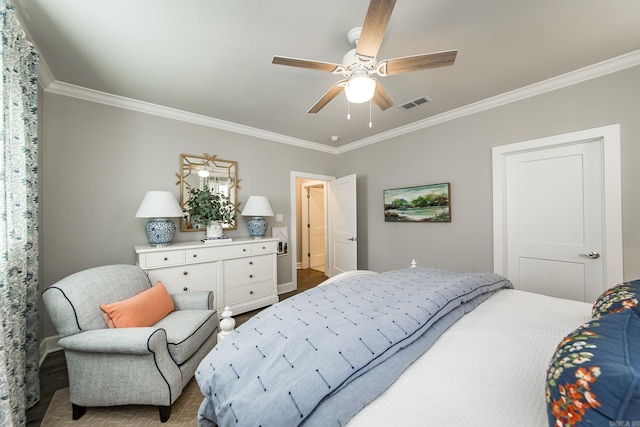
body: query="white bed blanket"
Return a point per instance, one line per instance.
(488, 369)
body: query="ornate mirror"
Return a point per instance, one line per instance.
(218, 175)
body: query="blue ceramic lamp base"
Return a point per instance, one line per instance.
(257, 227)
(160, 231)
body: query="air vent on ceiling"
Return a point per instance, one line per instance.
(414, 102)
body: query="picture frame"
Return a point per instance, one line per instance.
(282, 234)
(422, 203)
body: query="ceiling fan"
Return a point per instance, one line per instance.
(359, 65)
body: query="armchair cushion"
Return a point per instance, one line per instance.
(143, 309)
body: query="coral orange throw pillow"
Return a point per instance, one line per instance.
(144, 309)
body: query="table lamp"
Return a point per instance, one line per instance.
(159, 206)
(257, 207)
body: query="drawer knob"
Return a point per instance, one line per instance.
(250, 262)
(185, 273)
(264, 247)
(251, 276)
(165, 258)
(195, 255)
(244, 250)
(185, 289)
(250, 292)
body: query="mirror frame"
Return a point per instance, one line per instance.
(189, 167)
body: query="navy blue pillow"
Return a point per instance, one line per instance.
(594, 376)
(620, 297)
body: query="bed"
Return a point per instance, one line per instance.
(478, 353)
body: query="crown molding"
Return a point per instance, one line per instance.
(91, 95)
(619, 63)
(603, 68)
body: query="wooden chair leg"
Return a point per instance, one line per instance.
(77, 411)
(165, 413)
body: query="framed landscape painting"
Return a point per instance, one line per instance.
(424, 203)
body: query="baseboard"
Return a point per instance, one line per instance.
(48, 345)
(286, 287)
(299, 265)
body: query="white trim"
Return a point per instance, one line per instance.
(597, 70)
(48, 345)
(175, 114)
(609, 66)
(610, 136)
(286, 287)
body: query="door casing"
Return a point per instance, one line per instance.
(612, 199)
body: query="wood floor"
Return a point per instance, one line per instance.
(53, 372)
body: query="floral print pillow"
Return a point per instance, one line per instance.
(621, 297)
(593, 376)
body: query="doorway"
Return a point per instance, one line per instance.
(312, 225)
(340, 222)
(298, 179)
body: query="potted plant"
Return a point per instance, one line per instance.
(211, 210)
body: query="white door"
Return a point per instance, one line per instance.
(555, 214)
(342, 236)
(316, 228)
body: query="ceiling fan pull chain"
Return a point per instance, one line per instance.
(370, 122)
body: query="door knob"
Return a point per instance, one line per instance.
(591, 255)
(353, 239)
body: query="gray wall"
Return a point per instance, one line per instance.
(98, 162)
(459, 152)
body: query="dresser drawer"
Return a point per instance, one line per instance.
(205, 254)
(162, 259)
(243, 277)
(185, 272)
(204, 284)
(264, 247)
(247, 263)
(242, 294)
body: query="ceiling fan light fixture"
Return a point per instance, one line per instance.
(360, 89)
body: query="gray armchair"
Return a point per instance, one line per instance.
(124, 366)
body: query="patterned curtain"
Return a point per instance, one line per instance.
(19, 294)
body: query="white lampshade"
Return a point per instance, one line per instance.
(159, 204)
(360, 88)
(257, 206)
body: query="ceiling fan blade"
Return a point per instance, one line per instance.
(305, 63)
(331, 93)
(380, 97)
(417, 62)
(375, 24)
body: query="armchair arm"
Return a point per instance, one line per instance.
(193, 300)
(123, 340)
(110, 367)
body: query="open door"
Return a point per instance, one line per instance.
(341, 251)
(342, 218)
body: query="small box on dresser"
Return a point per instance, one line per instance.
(242, 273)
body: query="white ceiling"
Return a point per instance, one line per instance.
(213, 57)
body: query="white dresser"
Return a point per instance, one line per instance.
(242, 273)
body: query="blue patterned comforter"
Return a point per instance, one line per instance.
(317, 358)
